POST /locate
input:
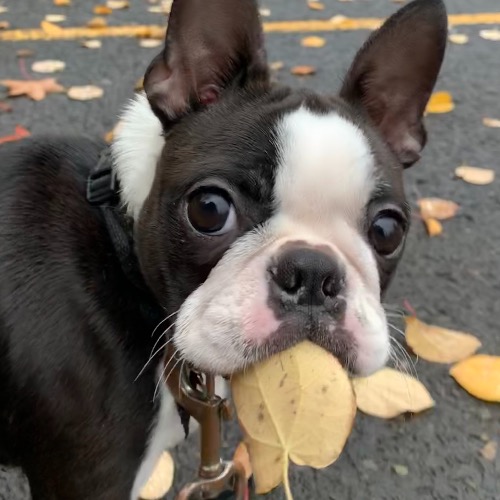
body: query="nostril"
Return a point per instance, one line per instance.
(331, 286)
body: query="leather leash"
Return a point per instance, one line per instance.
(194, 393)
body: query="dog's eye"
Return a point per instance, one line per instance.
(210, 211)
(386, 233)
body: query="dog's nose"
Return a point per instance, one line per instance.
(308, 276)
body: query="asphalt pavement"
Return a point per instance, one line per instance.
(452, 280)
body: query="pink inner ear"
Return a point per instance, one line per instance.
(209, 94)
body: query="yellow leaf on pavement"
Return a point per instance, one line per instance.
(118, 4)
(48, 66)
(480, 376)
(55, 18)
(491, 122)
(440, 102)
(315, 5)
(437, 208)
(458, 38)
(433, 226)
(437, 344)
(298, 405)
(85, 92)
(62, 3)
(303, 70)
(475, 175)
(389, 393)
(161, 480)
(313, 42)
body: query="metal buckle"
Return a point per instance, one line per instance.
(198, 397)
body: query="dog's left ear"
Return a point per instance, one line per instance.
(210, 45)
(393, 75)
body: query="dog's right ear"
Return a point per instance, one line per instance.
(210, 45)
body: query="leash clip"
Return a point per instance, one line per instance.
(196, 394)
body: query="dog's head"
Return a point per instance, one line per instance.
(265, 215)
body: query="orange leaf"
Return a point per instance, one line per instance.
(437, 344)
(102, 10)
(475, 175)
(19, 133)
(433, 226)
(313, 42)
(303, 70)
(440, 102)
(243, 458)
(36, 89)
(437, 208)
(315, 5)
(62, 3)
(480, 376)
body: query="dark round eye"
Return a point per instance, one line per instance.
(210, 211)
(386, 233)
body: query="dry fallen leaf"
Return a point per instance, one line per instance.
(303, 70)
(97, 22)
(440, 102)
(85, 92)
(48, 66)
(55, 18)
(437, 208)
(19, 133)
(489, 451)
(458, 38)
(433, 226)
(315, 5)
(491, 122)
(92, 44)
(3, 9)
(299, 406)
(36, 89)
(102, 10)
(313, 42)
(493, 35)
(264, 12)
(389, 393)
(118, 4)
(161, 480)
(243, 458)
(480, 376)
(400, 470)
(150, 43)
(62, 3)
(437, 344)
(276, 65)
(475, 175)
(4, 25)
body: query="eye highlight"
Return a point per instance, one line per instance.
(210, 211)
(386, 233)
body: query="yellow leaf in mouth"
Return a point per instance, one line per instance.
(296, 406)
(480, 376)
(389, 393)
(475, 175)
(161, 480)
(440, 102)
(437, 344)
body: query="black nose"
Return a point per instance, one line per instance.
(308, 276)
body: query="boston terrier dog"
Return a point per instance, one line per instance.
(233, 217)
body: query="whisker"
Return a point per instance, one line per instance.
(163, 321)
(165, 379)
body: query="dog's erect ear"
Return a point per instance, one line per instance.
(394, 73)
(210, 44)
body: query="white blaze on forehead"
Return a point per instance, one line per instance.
(326, 167)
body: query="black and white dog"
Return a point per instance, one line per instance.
(250, 217)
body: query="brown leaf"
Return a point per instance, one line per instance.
(118, 4)
(19, 133)
(315, 5)
(313, 42)
(433, 226)
(102, 10)
(36, 89)
(303, 70)
(97, 22)
(92, 44)
(437, 208)
(243, 458)
(48, 66)
(489, 451)
(458, 38)
(389, 393)
(491, 122)
(480, 376)
(492, 35)
(62, 3)
(437, 344)
(161, 480)
(475, 175)
(85, 92)
(55, 18)
(440, 102)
